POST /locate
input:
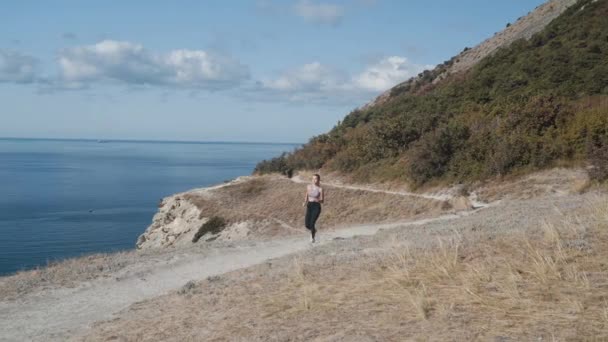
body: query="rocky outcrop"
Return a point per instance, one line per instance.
(177, 222)
(461, 203)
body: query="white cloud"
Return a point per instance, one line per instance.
(387, 72)
(309, 77)
(17, 68)
(321, 13)
(311, 83)
(127, 63)
(131, 63)
(316, 82)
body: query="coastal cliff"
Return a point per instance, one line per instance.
(179, 220)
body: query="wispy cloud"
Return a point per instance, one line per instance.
(69, 36)
(267, 6)
(130, 63)
(315, 82)
(308, 77)
(321, 13)
(387, 72)
(16, 67)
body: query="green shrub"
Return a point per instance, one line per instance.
(597, 155)
(431, 157)
(214, 226)
(277, 164)
(597, 148)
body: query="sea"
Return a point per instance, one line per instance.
(65, 198)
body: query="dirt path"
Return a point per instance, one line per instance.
(60, 313)
(437, 197)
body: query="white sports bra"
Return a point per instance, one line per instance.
(314, 192)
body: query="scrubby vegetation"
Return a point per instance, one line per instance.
(597, 150)
(214, 225)
(528, 106)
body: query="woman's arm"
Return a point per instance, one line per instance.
(321, 195)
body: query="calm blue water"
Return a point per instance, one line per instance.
(63, 198)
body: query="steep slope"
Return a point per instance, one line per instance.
(523, 28)
(528, 105)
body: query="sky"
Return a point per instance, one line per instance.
(250, 71)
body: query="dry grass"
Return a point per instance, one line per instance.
(547, 182)
(544, 284)
(547, 282)
(253, 187)
(581, 186)
(65, 273)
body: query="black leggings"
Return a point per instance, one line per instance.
(313, 210)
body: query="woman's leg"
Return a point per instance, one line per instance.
(313, 220)
(308, 216)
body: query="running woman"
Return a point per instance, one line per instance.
(312, 200)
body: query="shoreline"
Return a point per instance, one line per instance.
(149, 141)
(68, 198)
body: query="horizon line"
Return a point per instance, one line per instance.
(103, 140)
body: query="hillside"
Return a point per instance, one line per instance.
(523, 28)
(519, 101)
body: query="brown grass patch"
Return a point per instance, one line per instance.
(253, 187)
(65, 273)
(542, 183)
